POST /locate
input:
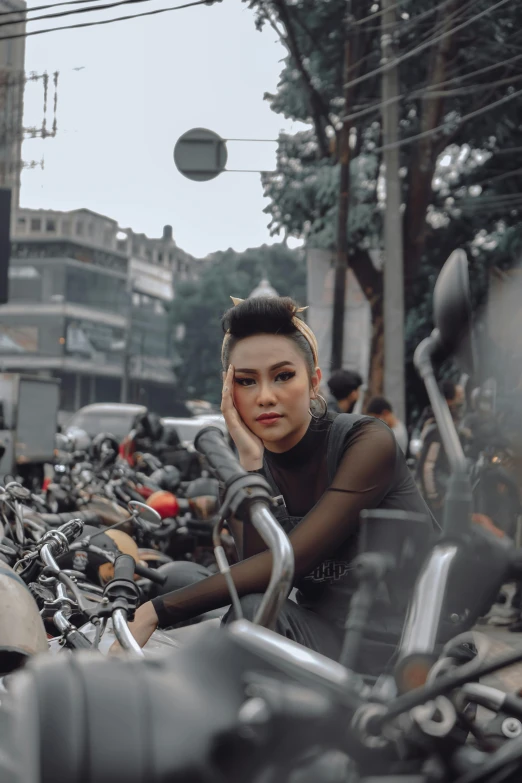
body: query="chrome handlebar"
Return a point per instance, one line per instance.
(123, 633)
(283, 564)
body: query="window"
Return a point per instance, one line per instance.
(66, 227)
(36, 224)
(90, 229)
(21, 223)
(79, 228)
(160, 257)
(50, 226)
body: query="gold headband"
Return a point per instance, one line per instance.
(299, 324)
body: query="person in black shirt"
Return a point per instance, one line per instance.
(344, 386)
(327, 468)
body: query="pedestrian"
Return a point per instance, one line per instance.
(345, 388)
(380, 408)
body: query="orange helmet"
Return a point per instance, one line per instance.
(165, 503)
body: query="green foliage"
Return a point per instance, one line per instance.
(199, 307)
(482, 69)
(477, 114)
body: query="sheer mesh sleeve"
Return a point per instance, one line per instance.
(364, 477)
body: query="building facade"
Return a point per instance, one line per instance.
(88, 303)
(12, 84)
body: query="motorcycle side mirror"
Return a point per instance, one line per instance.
(17, 491)
(452, 309)
(146, 513)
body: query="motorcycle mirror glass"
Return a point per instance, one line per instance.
(144, 512)
(452, 308)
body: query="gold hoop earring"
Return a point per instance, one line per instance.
(325, 409)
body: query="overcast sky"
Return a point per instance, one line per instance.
(143, 83)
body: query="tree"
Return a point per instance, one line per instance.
(198, 308)
(461, 80)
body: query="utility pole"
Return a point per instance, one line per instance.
(344, 155)
(393, 228)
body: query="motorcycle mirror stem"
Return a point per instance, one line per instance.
(421, 628)
(458, 504)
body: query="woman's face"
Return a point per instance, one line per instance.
(272, 389)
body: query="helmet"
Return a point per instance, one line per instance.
(203, 497)
(103, 444)
(80, 439)
(165, 503)
(95, 567)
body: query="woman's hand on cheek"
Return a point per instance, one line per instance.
(249, 446)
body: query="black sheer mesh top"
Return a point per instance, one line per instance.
(321, 518)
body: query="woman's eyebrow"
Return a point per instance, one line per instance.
(273, 367)
(281, 364)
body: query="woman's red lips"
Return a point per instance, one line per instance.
(268, 416)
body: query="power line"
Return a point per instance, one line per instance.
(108, 21)
(40, 8)
(431, 91)
(421, 47)
(377, 14)
(403, 25)
(428, 88)
(491, 199)
(86, 10)
(464, 118)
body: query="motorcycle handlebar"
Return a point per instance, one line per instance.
(210, 442)
(151, 574)
(72, 529)
(124, 567)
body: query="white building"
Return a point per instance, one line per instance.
(79, 287)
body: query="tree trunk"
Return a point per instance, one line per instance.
(376, 374)
(426, 150)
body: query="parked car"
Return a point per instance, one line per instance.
(187, 429)
(114, 417)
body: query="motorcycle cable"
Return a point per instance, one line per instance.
(86, 541)
(71, 586)
(224, 566)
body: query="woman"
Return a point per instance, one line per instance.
(327, 469)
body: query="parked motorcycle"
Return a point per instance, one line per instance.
(249, 705)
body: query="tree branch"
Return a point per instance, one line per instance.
(318, 109)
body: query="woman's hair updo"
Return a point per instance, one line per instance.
(264, 315)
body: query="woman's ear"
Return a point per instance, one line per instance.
(316, 381)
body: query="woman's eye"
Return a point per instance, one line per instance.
(285, 376)
(244, 381)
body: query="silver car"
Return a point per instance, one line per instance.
(187, 429)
